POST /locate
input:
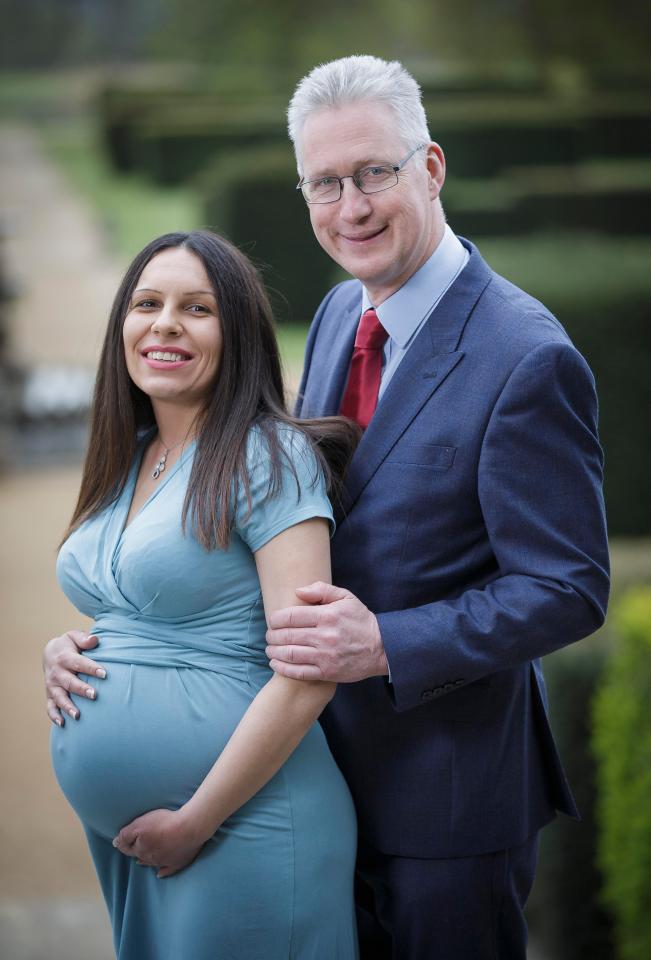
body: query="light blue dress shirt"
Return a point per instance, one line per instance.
(405, 311)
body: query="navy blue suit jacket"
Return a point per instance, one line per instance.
(473, 526)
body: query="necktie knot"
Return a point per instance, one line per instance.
(371, 335)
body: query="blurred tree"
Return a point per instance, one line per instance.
(40, 33)
(289, 36)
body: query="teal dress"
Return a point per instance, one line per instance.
(182, 632)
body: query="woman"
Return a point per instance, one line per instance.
(219, 824)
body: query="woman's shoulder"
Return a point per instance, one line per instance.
(279, 440)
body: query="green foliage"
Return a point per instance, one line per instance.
(622, 744)
(250, 196)
(599, 287)
(565, 914)
(131, 210)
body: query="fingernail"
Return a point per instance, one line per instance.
(90, 693)
(73, 713)
(59, 722)
(100, 672)
(115, 841)
(93, 637)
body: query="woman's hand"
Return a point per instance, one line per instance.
(62, 661)
(165, 839)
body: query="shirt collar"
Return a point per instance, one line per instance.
(403, 312)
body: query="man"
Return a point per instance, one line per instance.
(471, 540)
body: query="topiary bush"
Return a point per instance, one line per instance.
(607, 311)
(250, 196)
(622, 746)
(566, 916)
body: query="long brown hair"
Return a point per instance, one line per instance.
(248, 390)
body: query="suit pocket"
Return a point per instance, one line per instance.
(423, 455)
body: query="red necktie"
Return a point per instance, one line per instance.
(360, 396)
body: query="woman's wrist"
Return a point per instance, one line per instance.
(196, 823)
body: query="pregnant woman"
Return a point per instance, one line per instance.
(218, 822)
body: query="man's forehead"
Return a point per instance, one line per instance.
(356, 134)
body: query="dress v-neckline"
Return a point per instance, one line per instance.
(130, 489)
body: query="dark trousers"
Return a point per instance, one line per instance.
(469, 908)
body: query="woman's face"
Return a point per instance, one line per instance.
(172, 333)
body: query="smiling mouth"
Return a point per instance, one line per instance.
(167, 356)
(365, 237)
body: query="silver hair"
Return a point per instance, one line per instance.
(354, 79)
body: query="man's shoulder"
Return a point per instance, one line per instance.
(507, 314)
(343, 296)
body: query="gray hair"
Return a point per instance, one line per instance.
(354, 79)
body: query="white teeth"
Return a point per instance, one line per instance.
(164, 355)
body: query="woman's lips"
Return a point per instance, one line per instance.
(158, 358)
(166, 364)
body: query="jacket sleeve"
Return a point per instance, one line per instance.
(539, 479)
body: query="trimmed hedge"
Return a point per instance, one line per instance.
(610, 196)
(139, 126)
(250, 196)
(622, 746)
(600, 290)
(565, 912)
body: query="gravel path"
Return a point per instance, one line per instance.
(54, 254)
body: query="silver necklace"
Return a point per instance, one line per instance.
(160, 466)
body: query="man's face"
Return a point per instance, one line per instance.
(380, 238)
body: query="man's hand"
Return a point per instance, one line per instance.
(161, 838)
(62, 661)
(335, 638)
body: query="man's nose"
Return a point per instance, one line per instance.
(354, 205)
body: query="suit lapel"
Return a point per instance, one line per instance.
(428, 362)
(327, 379)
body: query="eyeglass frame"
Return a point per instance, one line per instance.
(396, 167)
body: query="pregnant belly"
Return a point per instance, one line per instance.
(146, 742)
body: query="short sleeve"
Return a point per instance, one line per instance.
(300, 494)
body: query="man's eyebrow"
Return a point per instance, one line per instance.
(360, 165)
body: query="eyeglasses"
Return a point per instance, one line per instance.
(373, 179)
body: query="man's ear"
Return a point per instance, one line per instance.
(435, 169)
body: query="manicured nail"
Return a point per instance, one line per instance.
(59, 722)
(73, 713)
(100, 672)
(90, 693)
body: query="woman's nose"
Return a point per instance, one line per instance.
(167, 321)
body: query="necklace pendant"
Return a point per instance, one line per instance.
(160, 466)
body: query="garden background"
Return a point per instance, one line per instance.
(121, 120)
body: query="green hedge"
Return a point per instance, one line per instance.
(250, 196)
(622, 744)
(609, 196)
(565, 914)
(600, 289)
(170, 135)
